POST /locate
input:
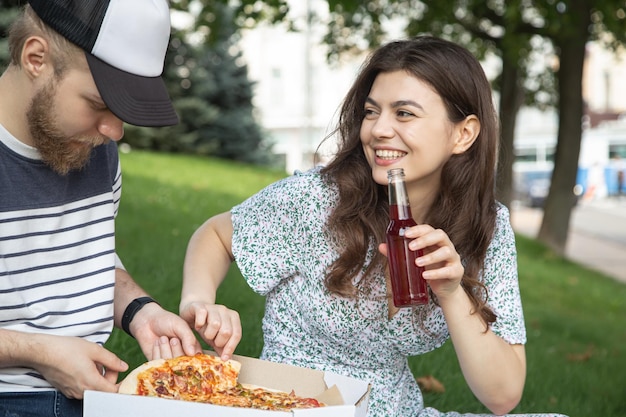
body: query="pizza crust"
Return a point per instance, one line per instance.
(253, 387)
(129, 384)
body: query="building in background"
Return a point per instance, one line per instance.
(298, 95)
(603, 142)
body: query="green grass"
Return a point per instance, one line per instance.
(575, 317)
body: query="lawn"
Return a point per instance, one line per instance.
(574, 316)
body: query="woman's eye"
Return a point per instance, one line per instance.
(369, 113)
(404, 113)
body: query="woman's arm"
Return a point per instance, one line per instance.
(207, 261)
(494, 369)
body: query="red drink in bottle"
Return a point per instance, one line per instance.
(407, 284)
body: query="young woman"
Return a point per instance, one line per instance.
(313, 243)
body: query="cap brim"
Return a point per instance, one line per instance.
(137, 100)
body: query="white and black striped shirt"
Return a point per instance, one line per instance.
(57, 249)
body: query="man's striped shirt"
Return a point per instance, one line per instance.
(57, 249)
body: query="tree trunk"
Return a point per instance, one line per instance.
(511, 99)
(558, 206)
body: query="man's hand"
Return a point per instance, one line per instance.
(73, 365)
(163, 333)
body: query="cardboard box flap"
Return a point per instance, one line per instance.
(330, 388)
(279, 376)
(332, 396)
(352, 390)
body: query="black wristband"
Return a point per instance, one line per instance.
(132, 309)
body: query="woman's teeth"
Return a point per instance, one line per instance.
(387, 154)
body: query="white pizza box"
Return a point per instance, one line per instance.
(346, 397)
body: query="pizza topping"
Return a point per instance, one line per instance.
(208, 379)
(263, 399)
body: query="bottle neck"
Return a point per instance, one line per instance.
(399, 212)
(399, 207)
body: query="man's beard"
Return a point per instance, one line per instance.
(61, 153)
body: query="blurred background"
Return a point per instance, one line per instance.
(260, 81)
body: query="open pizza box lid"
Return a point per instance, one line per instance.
(346, 397)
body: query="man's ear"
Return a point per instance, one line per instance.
(467, 131)
(35, 56)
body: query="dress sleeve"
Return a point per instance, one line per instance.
(271, 230)
(501, 280)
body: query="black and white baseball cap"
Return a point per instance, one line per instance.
(125, 43)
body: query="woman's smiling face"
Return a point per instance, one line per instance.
(406, 125)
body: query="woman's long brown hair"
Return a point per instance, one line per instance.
(465, 207)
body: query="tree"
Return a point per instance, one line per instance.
(570, 25)
(10, 9)
(211, 92)
(210, 19)
(506, 28)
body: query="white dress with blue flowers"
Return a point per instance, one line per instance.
(282, 250)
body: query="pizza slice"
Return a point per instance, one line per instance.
(208, 379)
(191, 378)
(249, 396)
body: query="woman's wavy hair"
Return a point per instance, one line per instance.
(465, 207)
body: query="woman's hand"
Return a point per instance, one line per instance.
(218, 325)
(442, 263)
(494, 369)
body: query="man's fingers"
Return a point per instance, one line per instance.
(176, 347)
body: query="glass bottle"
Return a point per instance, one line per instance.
(407, 284)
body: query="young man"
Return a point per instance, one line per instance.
(79, 69)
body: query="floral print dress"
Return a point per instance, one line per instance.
(281, 249)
